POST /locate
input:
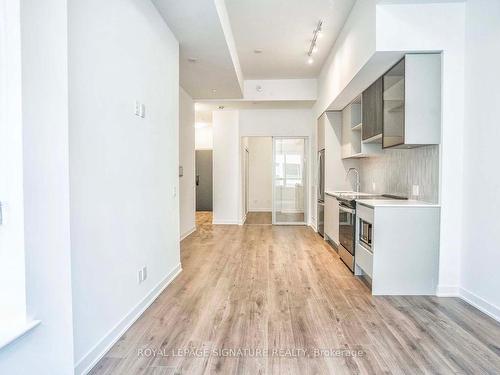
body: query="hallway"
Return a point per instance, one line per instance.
(254, 288)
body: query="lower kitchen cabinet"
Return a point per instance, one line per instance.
(332, 219)
(398, 247)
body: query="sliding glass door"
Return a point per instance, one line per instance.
(289, 180)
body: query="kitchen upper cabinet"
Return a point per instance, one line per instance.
(352, 147)
(372, 104)
(351, 135)
(412, 102)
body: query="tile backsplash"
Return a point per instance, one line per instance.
(396, 171)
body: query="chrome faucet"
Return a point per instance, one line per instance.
(357, 177)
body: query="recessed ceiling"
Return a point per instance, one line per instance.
(283, 30)
(222, 42)
(213, 105)
(197, 27)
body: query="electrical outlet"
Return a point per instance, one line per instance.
(415, 191)
(139, 109)
(144, 273)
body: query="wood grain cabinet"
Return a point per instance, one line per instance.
(412, 102)
(372, 104)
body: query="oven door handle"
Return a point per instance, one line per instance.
(347, 209)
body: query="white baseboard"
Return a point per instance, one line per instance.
(242, 220)
(471, 298)
(188, 232)
(90, 359)
(313, 226)
(448, 291)
(480, 304)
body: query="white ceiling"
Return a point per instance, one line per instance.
(198, 29)
(283, 30)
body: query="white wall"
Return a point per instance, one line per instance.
(260, 173)
(352, 49)
(12, 277)
(480, 278)
(48, 348)
(187, 203)
(204, 137)
(420, 27)
(226, 168)
(280, 89)
(276, 122)
(123, 169)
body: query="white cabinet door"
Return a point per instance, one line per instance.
(332, 218)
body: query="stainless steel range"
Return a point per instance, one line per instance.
(347, 223)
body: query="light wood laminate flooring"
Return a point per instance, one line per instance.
(259, 218)
(278, 300)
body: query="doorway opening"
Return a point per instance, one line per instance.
(274, 180)
(204, 171)
(257, 184)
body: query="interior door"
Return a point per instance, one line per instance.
(204, 180)
(289, 180)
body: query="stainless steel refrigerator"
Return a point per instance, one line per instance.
(321, 192)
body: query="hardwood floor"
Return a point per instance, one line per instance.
(289, 217)
(203, 218)
(282, 290)
(260, 218)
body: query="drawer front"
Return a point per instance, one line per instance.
(364, 259)
(365, 213)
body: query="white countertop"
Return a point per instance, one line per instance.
(335, 193)
(383, 202)
(394, 203)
